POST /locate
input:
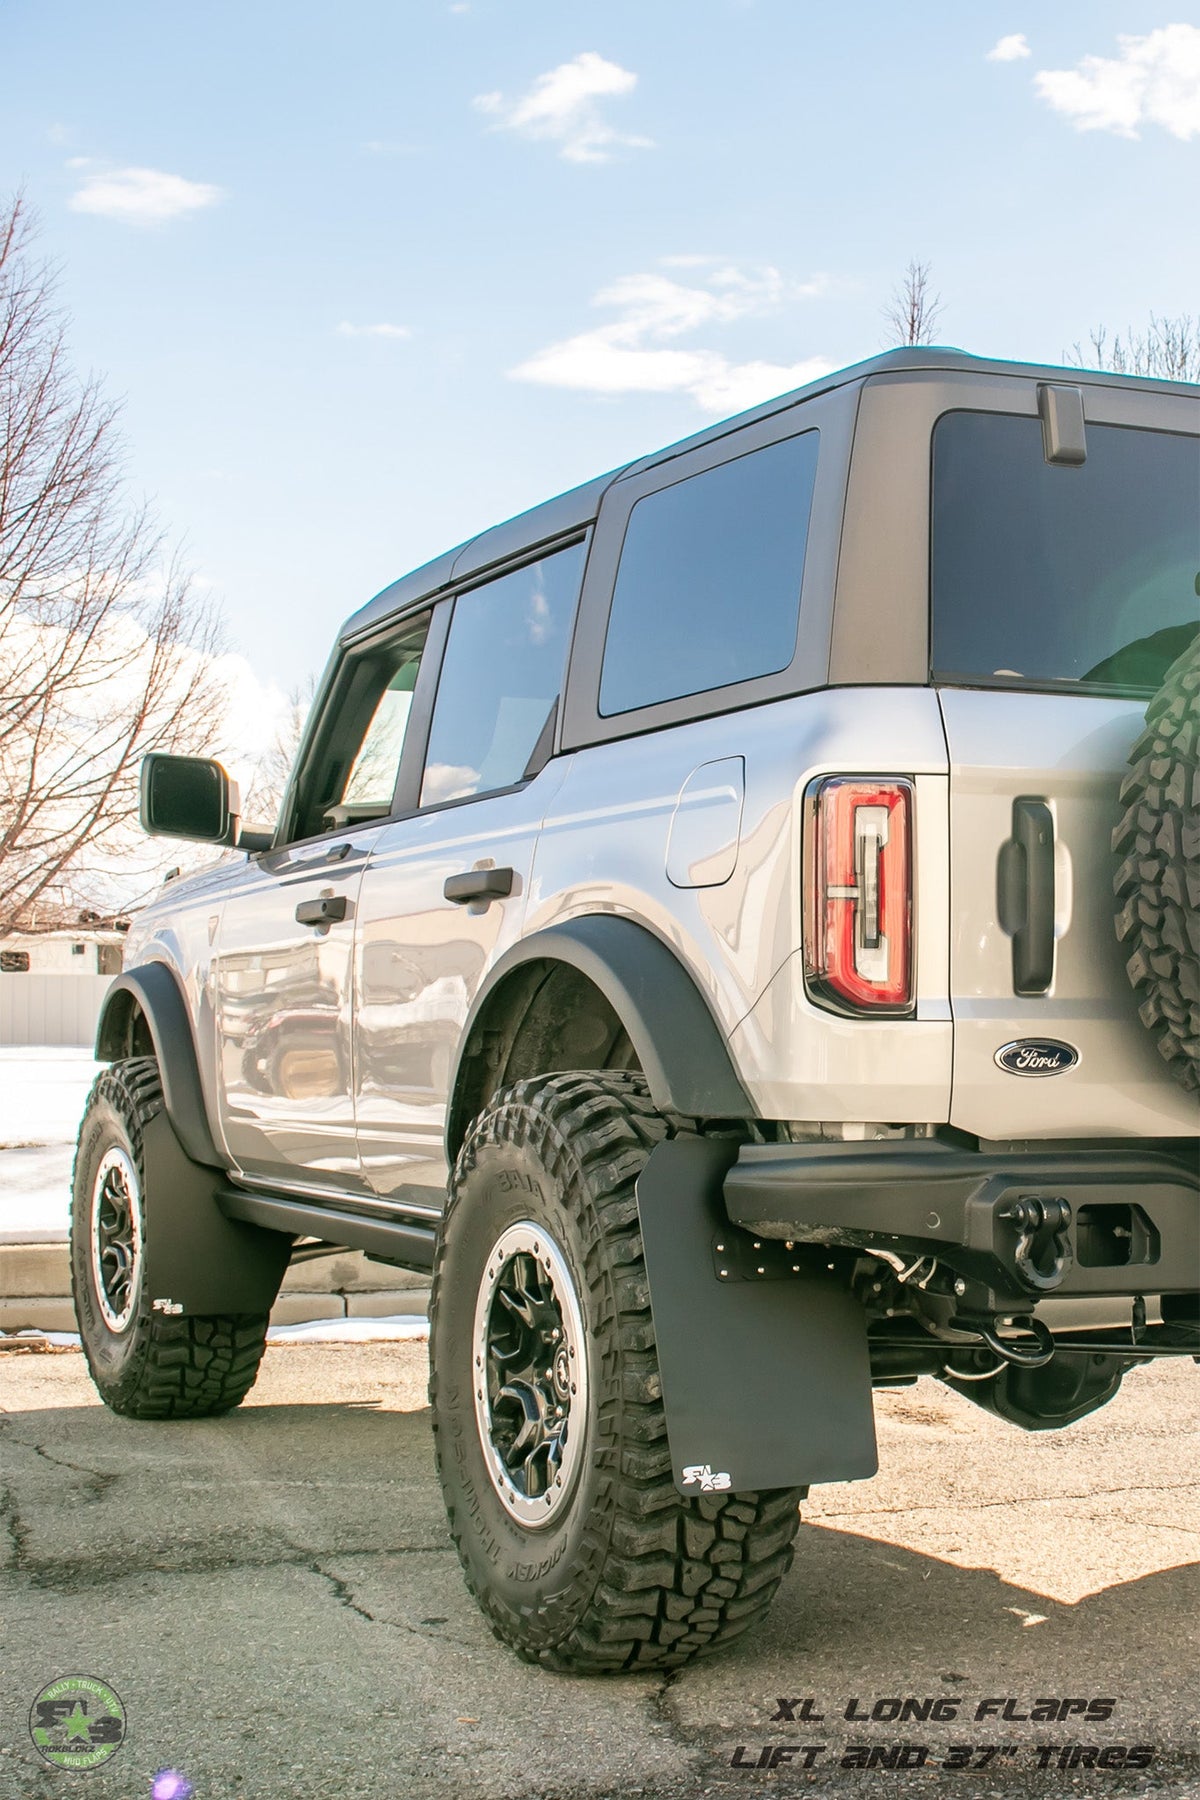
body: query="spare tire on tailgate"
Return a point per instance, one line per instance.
(1158, 880)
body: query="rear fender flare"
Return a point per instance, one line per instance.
(677, 1041)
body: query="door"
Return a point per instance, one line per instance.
(445, 890)
(284, 962)
(1062, 590)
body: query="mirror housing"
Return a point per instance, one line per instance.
(189, 797)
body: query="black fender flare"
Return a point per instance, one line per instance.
(155, 989)
(678, 1042)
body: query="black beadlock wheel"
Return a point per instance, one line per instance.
(1158, 879)
(549, 1427)
(145, 1365)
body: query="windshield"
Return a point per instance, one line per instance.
(1044, 574)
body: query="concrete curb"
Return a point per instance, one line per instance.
(35, 1289)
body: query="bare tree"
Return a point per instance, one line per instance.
(105, 652)
(262, 799)
(914, 309)
(1168, 348)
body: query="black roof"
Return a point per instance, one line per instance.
(578, 507)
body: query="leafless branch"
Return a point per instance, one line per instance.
(262, 798)
(105, 651)
(1168, 348)
(913, 312)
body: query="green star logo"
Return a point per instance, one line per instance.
(77, 1726)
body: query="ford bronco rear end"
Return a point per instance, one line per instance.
(691, 933)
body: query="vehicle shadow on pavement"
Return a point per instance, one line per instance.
(861, 1625)
(323, 1522)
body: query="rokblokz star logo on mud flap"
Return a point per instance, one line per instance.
(77, 1722)
(703, 1475)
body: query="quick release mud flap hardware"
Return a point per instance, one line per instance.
(736, 1256)
(766, 1382)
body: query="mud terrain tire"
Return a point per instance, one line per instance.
(1158, 880)
(145, 1365)
(624, 1573)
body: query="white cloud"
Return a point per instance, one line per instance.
(1154, 81)
(635, 352)
(346, 329)
(1010, 49)
(142, 196)
(562, 107)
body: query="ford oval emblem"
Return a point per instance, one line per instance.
(1037, 1056)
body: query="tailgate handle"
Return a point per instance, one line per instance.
(1025, 895)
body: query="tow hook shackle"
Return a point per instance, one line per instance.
(1043, 1254)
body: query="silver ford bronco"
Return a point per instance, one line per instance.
(737, 926)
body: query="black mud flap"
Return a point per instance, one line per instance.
(766, 1382)
(198, 1262)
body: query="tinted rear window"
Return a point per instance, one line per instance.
(1045, 574)
(708, 588)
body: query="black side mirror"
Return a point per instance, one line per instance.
(188, 797)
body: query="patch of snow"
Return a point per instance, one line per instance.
(43, 1090)
(66, 1340)
(399, 1327)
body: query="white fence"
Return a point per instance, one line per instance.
(51, 1009)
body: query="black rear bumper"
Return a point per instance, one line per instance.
(1130, 1223)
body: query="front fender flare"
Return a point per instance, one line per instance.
(677, 1041)
(155, 989)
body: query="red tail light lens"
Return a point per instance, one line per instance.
(858, 894)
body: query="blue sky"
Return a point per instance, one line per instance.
(370, 277)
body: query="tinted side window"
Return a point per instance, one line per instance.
(708, 586)
(352, 773)
(1046, 574)
(372, 777)
(502, 673)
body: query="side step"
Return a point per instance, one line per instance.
(409, 1246)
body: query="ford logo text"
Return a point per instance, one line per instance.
(1037, 1056)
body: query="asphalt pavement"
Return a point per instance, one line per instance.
(275, 1599)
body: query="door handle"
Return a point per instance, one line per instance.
(1025, 895)
(328, 910)
(479, 884)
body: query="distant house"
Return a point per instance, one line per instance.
(73, 950)
(52, 983)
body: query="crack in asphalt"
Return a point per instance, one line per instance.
(98, 1481)
(47, 1574)
(13, 1523)
(343, 1593)
(663, 1714)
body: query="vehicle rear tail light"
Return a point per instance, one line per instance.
(858, 894)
